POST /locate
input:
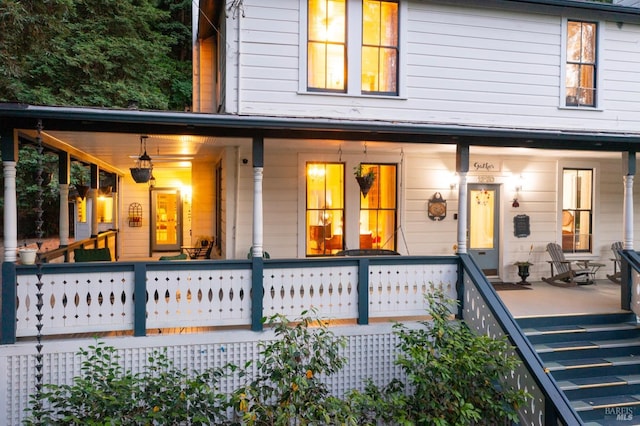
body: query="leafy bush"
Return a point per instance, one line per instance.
(453, 377)
(287, 389)
(106, 395)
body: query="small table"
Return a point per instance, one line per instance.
(193, 251)
(591, 266)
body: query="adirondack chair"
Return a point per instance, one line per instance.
(616, 277)
(566, 274)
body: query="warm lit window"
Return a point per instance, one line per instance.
(378, 216)
(577, 213)
(379, 47)
(327, 48)
(373, 48)
(580, 73)
(324, 208)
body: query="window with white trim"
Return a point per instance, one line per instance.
(577, 210)
(581, 64)
(332, 33)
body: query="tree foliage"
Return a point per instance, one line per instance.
(104, 53)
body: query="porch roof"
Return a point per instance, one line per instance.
(77, 119)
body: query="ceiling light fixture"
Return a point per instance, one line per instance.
(141, 173)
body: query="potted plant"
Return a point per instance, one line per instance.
(523, 268)
(365, 178)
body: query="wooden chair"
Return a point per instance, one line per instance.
(566, 275)
(616, 277)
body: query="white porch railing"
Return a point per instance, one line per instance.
(102, 297)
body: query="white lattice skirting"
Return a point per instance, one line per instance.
(370, 351)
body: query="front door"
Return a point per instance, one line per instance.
(166, 217)
(484, 215)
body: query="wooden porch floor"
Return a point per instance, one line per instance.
(544, 299)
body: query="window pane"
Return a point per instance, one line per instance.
(317, 75)
(370, 69)
(335, 67)
(388, 71)
(573, 41)
(481, 202)
(588, 42)
(389, 34)
(325, 208)
(371, 22)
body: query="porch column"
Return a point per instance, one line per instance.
(258, 214)
(92, 198)
(10, 212)
(629, 168)
(462, 168)
(64, 161)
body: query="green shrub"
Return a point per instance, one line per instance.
(107, 395)
(287, 389)
(454, 377)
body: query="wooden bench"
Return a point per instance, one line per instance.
(92, 255)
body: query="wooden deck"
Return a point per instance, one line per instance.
(545, 299)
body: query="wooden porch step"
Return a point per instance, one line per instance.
(606, 402)
(586, 344)
(598, 381)
(586, 328)
(569, 364)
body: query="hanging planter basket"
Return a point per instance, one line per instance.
(365, 184)
(83, 190)
(140, 175)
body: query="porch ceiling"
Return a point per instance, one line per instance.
(113, 136)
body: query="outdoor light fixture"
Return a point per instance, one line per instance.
(142, 172)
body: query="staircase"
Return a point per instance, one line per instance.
(595, 360)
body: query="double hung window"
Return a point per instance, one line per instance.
(581, 65)
(324, 208)
(378, 216)
(577, 210)
(373, 47)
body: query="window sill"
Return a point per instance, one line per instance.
(349, 95)
(578, 108)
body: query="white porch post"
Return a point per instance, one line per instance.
(462, 168)
(463, 199)
(10, 211)
(64, 215)
(629, 168)
(257, 249)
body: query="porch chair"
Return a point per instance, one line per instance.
(616, 277)
(566, 275)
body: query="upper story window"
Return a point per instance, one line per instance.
(577, 210)
(581, 64)
(327, 45)
(379, 47)
(364, 30)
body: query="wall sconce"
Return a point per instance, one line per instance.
(453, 182)
(518, 187)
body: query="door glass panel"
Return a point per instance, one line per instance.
(481, 218)
(167, 218)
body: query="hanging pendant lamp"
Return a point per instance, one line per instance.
(142, 172)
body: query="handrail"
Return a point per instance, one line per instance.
(555, 398)
(93, 242)
(629, 260)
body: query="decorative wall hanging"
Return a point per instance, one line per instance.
(483, 197)
(521, 228)
(437, 207)
(135, 215)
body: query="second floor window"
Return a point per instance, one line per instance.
(580, 73)
(326, 46)
(379, 47)
(329, 40)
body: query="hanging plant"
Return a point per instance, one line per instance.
(365, 178)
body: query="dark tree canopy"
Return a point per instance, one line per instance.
(103, 53)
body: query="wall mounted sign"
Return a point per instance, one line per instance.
(437, 207)
(521, 226)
